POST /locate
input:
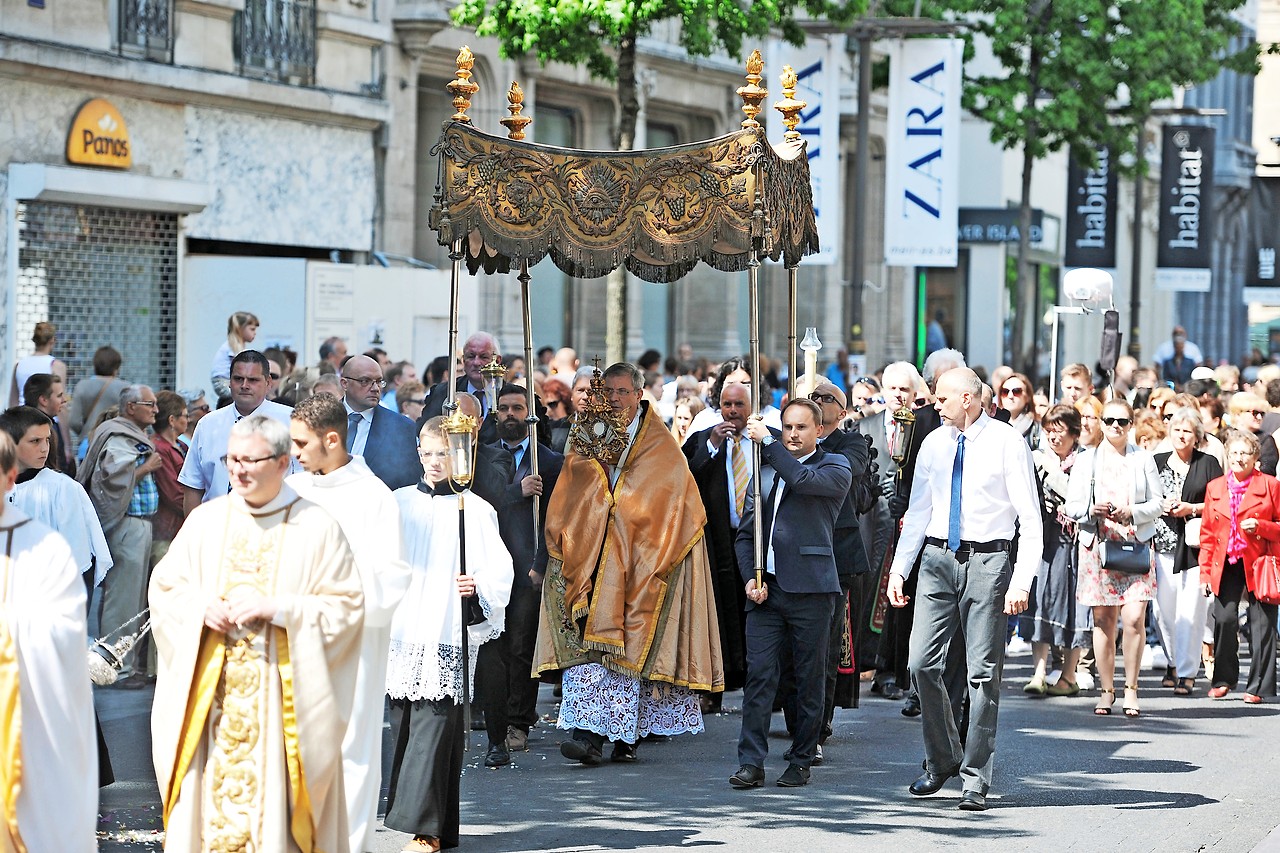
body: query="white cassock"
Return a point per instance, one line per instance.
(365, 509)
(58, 501)
(247, 726)
(48, 720)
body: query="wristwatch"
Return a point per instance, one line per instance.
(767, 440)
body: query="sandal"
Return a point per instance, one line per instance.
(1186, 686)
(1131, 711)
(422, 844)
(1101, 709)
(1062, 687)
(1169, 679)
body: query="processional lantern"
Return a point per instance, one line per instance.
(810, 345)
(492, 373)
(459, 431)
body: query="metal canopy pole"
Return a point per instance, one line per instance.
(791, 333)
(455, 277)
(753, 287)
(532, 418)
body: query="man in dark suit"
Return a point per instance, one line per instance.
(477, 351)
(387, 440)
(794, 605)
(720, 460)
(504, 686)
(851, 556)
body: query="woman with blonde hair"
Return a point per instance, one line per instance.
(1090, 409)
(686, 410)
(242, 328)
(41, 360)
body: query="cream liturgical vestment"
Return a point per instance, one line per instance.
(60, 502)
(48, 750)
(365, 509)
(247, 726)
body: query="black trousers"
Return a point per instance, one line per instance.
(505, 689)
(426, 769)
(1226, 635)
(801, 621)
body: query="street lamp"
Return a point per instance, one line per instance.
(1088, 286)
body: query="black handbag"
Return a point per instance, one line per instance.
(1128, 558)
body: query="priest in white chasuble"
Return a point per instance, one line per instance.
(367, 512)
(48, 751)
(257, 611)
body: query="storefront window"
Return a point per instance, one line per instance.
(942, 298)
(1027, 346)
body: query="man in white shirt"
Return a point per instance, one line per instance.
(1164, 352)
(965, 517)
(204, 473)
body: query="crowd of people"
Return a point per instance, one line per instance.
(304, 552)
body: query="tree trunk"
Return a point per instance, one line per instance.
(616, 283)
(1024, 348)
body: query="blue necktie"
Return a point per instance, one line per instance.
(957, 477)
(353, 426)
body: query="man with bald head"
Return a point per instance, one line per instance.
(477, 351)
(387, 440)
(720, 459)
(974, 488)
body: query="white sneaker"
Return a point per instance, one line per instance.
(1018, 646)
(1085, 679)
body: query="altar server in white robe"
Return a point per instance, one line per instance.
(48, 752)
(365, 509)
(256, 612)
(51, 497)
(424, 678)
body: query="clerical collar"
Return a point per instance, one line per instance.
(28, 475)
(444, 488)
(286, 497)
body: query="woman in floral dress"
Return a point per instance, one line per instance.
(1115, 495)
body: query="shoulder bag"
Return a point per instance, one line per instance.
(1127, 558)
(1266, 578)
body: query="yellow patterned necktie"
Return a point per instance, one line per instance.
(741, 476)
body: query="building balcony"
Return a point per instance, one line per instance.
(276, 40)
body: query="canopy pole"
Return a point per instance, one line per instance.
(532, 418)
(791, 333)
(455, 279)
(753, 288)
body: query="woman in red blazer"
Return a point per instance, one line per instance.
(1241, 519)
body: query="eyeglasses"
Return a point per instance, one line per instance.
(1114, 421)
(554, 404)
(823, 398)
(620, 392)
(365, 383)
(1012, 392)
(230, 462)
(433, 454)
(150, 404)
(275, 376)
(204, 407)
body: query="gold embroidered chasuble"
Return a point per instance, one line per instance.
(248, 726)
(628, 584)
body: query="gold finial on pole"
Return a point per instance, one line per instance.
(515, 123)
(752, 94)
(463, 87)
(789, 106)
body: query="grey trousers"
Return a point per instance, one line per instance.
(963, 600)
(124, 589)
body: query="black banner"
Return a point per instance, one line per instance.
(996, 225)
(1091, 213)
(1186, 208)
(1264, 234)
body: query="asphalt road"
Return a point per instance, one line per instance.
(1189, 775)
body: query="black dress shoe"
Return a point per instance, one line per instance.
(892, 691)
(973, 801)
(912, 708)
(794, 776)
(581, 750)
(817, 755)
(623, 752)
(748, 776)
(497, 757)
(930, 783)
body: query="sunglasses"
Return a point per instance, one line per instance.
(1012, 392)
(1257, 414)
(1114, 421)
(1168, 417)
(822, 398)
(551, 404)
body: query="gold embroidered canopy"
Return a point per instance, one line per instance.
(658, 212)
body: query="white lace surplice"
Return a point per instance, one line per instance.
(426, 636)
(624, 708)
